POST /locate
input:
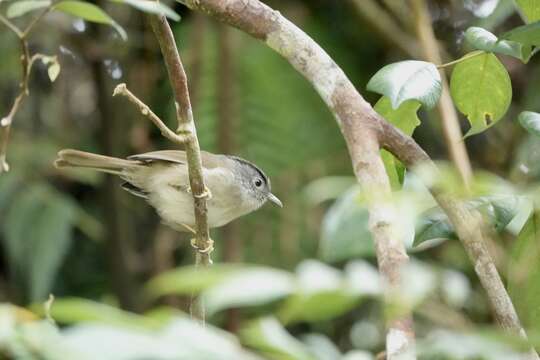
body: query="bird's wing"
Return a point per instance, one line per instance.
(209, 161)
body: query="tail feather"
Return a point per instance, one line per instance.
(81, 159)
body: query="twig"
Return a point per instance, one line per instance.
(457, 61)
(26, 65)
(445, 107)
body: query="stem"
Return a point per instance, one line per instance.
(463, 58)
(445, 107)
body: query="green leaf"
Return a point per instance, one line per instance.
(481, 39)
(530, 121)
(152, 7)
(524, 272)
(267, 336)
(528, 35)
(530, 8)
(249, 287)
(19, 8)
(53, 66)
(434, 227)
(481, 89)
(405, 118)
(76, 310)
(408, 80)
(344, 230)
(89, 12)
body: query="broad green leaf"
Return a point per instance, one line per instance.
(408, 80)
(530, 8)
(481, 89)
(524, 272)
(76, 310)
(19, 8)
(248, 287)
(344, 229)
(152, 7)
(528, 35)
(189, 279)
(89, 12)
(481, 39)
(268, 337)
(405, 118)
(530, 121)
(434, 227)
(322, 294)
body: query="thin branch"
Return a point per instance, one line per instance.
(445, 107)
(186, 128)
(11, 26)
(457, 61)
(262, 22)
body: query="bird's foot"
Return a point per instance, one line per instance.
(206, 194)
(204, 251)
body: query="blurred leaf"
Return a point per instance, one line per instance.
(321, 346)
(9, 183)
(530, 8)
(152, 7)
(76, 310)
(89, 12)
(322, 294)
(327, 188)
(434, 227)
(524, 272)
(481, 39)
(22, 7)
(530, 121)
(267, 336)
(528, 35)
(407, 80)
(189, 279)
(344, 229)
(248, 287)
(405, 118)
(53, 66)
(481, 89)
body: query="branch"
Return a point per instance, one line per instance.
(364, 131)
(357, 126)
(445, 107)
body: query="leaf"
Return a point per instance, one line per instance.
(152, 7)
(267, 336)
(481, 39)
(323, 294)
(89, 12)
(19, 8)
(530, 121)
(76, 310)
(408, 80)
(528, 35)
(524, 272)
(344, 229)
(53, 66)
(481, 89)
(405, 118)
(249, 287)
(321, 346)
(434, 227)
(530, 8)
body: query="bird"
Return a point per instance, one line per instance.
(235, 186)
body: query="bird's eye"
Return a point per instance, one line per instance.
(258, 183)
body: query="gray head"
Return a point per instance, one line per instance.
(255, 181)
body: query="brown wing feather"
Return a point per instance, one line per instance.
(209, 160)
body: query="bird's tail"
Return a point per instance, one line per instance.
(81, 159)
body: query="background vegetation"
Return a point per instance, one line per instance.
(310, 290)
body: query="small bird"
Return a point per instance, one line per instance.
(236, 186)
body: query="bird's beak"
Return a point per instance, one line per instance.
(273, 198)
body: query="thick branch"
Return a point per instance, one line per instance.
(186, 128)
(358, 127)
